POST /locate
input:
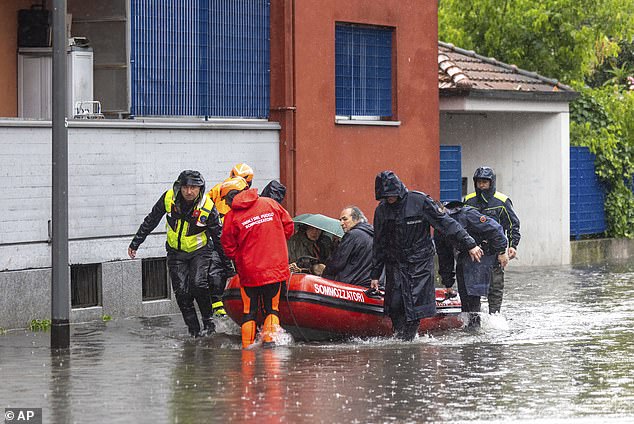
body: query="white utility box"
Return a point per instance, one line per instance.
(35, 80)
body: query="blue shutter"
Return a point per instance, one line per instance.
(450, 173)
(363, 71)
(587, 196)
(200, 58)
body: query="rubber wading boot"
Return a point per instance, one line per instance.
(191, 320)
(270, 327)
(208, 327)
(248, 333)
(474, 320)
(219, 309)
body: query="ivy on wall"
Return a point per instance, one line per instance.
(602, 119)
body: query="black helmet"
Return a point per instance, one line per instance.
(190, 178)
(484, 173)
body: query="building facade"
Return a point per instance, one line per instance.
(320, 94)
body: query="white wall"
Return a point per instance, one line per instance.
(117, 171)
(530, 154)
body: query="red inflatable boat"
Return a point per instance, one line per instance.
(314, 308)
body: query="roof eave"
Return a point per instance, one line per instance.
(544, 96)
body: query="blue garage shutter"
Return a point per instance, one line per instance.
(587, 196)
(200, 58)
(363, 70)
(450, 173)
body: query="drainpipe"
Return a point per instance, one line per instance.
(283, 92)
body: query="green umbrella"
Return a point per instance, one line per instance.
(323, 222)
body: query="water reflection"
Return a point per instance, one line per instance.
(564, 349)
(60, 387)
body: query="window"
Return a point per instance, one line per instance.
(85, 285)
(154, 279)
(363, 72)
(200, 58)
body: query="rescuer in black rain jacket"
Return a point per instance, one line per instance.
(274, 190)
(473, 277)
(404, 248)
(193, 233)
(499, 207)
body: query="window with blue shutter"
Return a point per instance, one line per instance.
(200, 58)
(363, 71)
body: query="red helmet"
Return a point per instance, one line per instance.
(242, 170)
(235, 183)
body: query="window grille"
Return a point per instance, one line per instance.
(363, 71)
(85, 285)
(200, 58)
(154, 279)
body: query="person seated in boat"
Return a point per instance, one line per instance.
(351, 261)
(473, 277)
(309, 241)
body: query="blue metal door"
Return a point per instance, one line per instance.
(587, 196)
(450, 173)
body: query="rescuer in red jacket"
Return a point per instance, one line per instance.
(254, 235)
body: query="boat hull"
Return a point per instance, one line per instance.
(314, 308)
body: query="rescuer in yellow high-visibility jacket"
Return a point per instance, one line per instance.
(193, 235)
(498, 206)
(217, 277)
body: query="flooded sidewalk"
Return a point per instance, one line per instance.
(563, 351)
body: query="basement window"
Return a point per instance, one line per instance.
(85, 285)
(154, 279)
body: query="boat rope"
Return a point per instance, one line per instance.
(290, 309)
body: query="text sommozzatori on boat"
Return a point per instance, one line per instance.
(352, 295)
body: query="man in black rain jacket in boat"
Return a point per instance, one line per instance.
(351, 261)
(499, 207)
(473, 277)
(403, 246)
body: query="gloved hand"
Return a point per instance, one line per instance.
(294, 268)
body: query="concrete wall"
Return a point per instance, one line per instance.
(25, 295)
(530, 154)
(601, 251)
(117, 171)
(335, 164)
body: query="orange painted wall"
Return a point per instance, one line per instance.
(336, 164)
(8, 55)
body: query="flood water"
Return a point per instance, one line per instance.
(562, 351)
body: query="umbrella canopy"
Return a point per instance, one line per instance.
(323, 222)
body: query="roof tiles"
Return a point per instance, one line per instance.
(461, 70)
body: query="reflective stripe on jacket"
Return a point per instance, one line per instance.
(183, 235)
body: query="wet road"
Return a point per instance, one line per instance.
(563, 351)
